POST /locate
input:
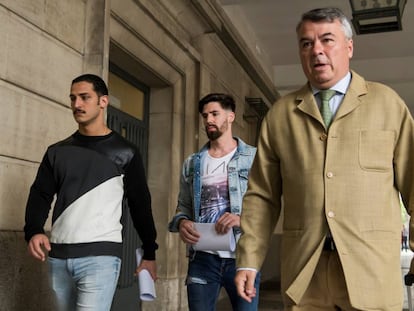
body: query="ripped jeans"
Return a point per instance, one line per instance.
(207, 274)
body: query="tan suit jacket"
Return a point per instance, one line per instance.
(346, 179)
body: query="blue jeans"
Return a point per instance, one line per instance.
(207, 274)
(86, 283)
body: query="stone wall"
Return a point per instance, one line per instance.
(24, 284)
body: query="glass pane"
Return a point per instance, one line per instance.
(372, 4)
(380, 20)
(125, 97)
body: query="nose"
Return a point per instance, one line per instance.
(209, 119)
(76, 102)
(317, 47)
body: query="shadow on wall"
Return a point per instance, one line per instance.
(23, 280)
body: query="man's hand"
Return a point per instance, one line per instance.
(150, 266)
(187, 232)
(226, 222)
(244, 281)
(37, 244)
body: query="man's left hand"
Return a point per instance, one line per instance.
(226, 222)
(150, 266)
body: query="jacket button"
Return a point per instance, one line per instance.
(329, 174)
(331, 214)
(323, 136)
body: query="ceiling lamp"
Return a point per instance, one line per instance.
(372, 16)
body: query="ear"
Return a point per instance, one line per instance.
(231, 116)
(350, 48)
(103, 101)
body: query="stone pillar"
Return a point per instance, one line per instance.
(97, 38)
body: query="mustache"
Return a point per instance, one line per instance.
(211, 125)
(78, 111)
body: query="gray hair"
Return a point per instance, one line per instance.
(328, 15)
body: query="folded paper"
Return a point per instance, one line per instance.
(210, 240)
(145, 281)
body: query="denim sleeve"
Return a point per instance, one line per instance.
(185, 208)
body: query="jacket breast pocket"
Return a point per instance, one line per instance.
(376, 150)
(243, 178)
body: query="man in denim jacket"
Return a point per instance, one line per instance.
(212, 185)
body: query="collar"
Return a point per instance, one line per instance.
(341, 86)
(242, 147)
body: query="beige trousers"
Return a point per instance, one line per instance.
(327, 289)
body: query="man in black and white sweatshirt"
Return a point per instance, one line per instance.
(91, 173)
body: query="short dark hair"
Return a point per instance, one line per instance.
(99, 85)
(226, 101)
(328, 15)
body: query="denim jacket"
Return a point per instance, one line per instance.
(190, 183)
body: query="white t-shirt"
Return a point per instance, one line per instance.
(215, 199)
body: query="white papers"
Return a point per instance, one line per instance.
(210, 240)
(145, 281)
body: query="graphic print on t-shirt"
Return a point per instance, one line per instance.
(215, 199)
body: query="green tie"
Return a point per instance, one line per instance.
(326, 112)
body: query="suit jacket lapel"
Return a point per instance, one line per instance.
(352, 98)
(307, 103)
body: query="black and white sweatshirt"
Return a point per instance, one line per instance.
(91, 176)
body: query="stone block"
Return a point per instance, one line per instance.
(42, 65)
(29, 123)
(23, 280)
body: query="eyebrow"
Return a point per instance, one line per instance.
(326, 34)
(329, 33)
(80, 94)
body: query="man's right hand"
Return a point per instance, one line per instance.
(187, 232)
(37, 246)
(244, 281)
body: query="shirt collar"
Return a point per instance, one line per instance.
(340, 87)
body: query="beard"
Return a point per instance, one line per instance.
(213, 135)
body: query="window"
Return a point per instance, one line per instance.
(126, 97)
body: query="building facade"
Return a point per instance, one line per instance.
(159, 57)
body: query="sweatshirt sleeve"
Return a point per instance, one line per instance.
(139, 202)
(40, 199)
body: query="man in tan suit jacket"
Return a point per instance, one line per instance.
(340, 182)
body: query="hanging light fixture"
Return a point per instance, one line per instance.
(372, 16)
